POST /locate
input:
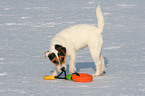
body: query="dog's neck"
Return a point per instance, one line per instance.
(65, 43)
(55, 41)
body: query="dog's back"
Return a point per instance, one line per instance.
(79, 35)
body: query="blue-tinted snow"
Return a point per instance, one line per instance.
(27, 26)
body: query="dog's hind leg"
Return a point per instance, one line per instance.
(103, 64)
(95, 50)
(98, 64)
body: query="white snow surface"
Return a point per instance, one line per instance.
(27, 26)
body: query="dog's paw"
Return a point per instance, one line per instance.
(98, 73)
(95, 75)
(54, 73)
(72, 69)
(102, 74)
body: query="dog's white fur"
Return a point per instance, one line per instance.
(78, 37)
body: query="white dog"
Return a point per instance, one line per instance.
(70, 40)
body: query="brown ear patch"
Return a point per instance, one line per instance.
(61, 58)
(60, 49)
(53, 59)
(61, 53)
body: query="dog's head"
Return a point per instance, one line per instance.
(57, 57)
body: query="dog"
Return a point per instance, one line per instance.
(70, 40)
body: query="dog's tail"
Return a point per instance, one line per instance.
(100, 19)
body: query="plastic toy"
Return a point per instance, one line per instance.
(78, 77)
(49, 77)
(82, 77)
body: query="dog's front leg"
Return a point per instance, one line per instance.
(72, 67)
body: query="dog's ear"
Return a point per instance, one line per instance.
(52, 57)
(61, 53)
(60, 49)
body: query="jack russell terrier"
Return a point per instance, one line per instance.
(70, 40)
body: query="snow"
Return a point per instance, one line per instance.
(27, 27)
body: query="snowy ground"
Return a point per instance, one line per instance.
(27, 26)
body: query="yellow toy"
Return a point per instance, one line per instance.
(49, 77)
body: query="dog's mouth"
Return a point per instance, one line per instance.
(61, 67)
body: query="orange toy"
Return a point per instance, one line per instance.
(82, 77)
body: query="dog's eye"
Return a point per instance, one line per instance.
(51, 56)
(60, 53)
(62, 59)
(55, 62)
